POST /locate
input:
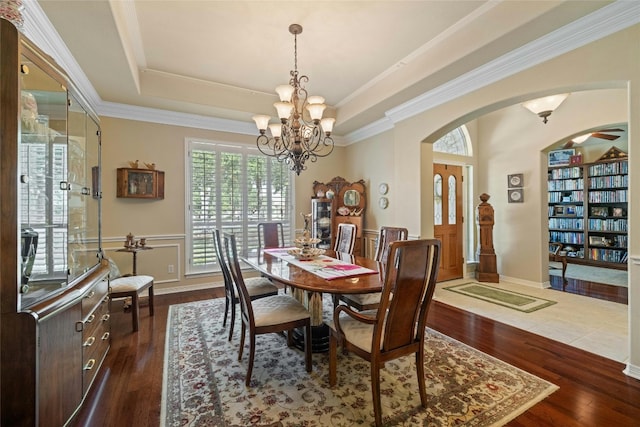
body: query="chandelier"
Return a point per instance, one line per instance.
(302, 133)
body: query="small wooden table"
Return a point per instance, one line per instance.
(134, 250)
(308, 287)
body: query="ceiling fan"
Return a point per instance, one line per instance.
(602, 134)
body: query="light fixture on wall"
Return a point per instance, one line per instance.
(543, 107)
(302, 133)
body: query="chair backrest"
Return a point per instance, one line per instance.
(270, 235)
(412, 271)
(224, 266)
(345, 238)
(386, 236)
(555, 247)
(231, 252)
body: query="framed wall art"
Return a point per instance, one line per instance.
(561, 157)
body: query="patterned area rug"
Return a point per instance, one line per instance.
(203, 382)
(506, 298)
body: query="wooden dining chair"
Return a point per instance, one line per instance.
(257, 287)
(345, 238)
(397, 328)
(386, 236)
(277, 313)
(270, 235)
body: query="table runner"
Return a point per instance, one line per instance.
(322, 266)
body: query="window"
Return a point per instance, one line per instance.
(455, 142)
(45, 163)
(233, 188)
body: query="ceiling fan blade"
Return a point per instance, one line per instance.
(611, 130)
(605, 136)
(568, 144)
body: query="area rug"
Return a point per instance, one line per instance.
(503, 297)
(203, 382)
(607, 276)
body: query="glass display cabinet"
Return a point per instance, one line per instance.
(54, 281)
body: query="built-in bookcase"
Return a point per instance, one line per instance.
(588, 211)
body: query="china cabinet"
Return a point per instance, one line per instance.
(53, 281)
(588, 211)
(347, 205)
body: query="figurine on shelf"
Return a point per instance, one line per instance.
(134, 164)
(130, 240)
(150, 166)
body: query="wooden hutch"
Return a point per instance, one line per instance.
(338, 201)
(53, 281)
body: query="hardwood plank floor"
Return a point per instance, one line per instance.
(593, 390)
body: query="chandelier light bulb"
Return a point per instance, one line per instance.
(327, 125)
(315, 99)
(262, 122)
(284, 109)
(285, 92)
(315, 111)
(276, 130)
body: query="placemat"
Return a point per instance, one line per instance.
(322, 266)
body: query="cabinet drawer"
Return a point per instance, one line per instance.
(94, 297)
(96, 319)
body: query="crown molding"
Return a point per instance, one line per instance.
(599, 24)
(155, 115)
(610, 19)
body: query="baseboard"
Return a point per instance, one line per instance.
(632, 371)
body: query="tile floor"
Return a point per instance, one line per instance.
(593, 325)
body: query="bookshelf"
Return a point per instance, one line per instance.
(588, 212)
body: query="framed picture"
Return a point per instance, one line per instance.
(618, 212)
(516, 196)
(561, 157)
(601, 211)
(597, 241)
(570, 210)
(576, 160)
(558, 210)
(515, 180)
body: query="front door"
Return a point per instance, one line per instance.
(447, 219)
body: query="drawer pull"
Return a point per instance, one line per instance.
(90, 364)
(89, 342)
(91, 318)
(90, 294)
(105, 336)
(106, 317)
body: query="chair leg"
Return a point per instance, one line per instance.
(151, 300)
(226, 312)
(420, 372)
(233, 318)
(307, 345)
(375, 389)
(333, 358)
(242, 334)
(252, 352)
(135, 309)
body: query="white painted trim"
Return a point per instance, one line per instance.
(632, 371)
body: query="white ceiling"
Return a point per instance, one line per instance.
(223, 59)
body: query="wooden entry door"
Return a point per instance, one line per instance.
(448, 219)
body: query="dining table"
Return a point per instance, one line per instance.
(332, 273)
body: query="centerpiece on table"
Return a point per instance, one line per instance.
(306, 245)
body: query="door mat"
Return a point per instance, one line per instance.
(503, 297)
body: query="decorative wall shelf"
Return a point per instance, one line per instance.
(140, 183)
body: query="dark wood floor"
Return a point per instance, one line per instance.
(593, 390)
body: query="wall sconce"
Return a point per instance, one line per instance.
(543, 107)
